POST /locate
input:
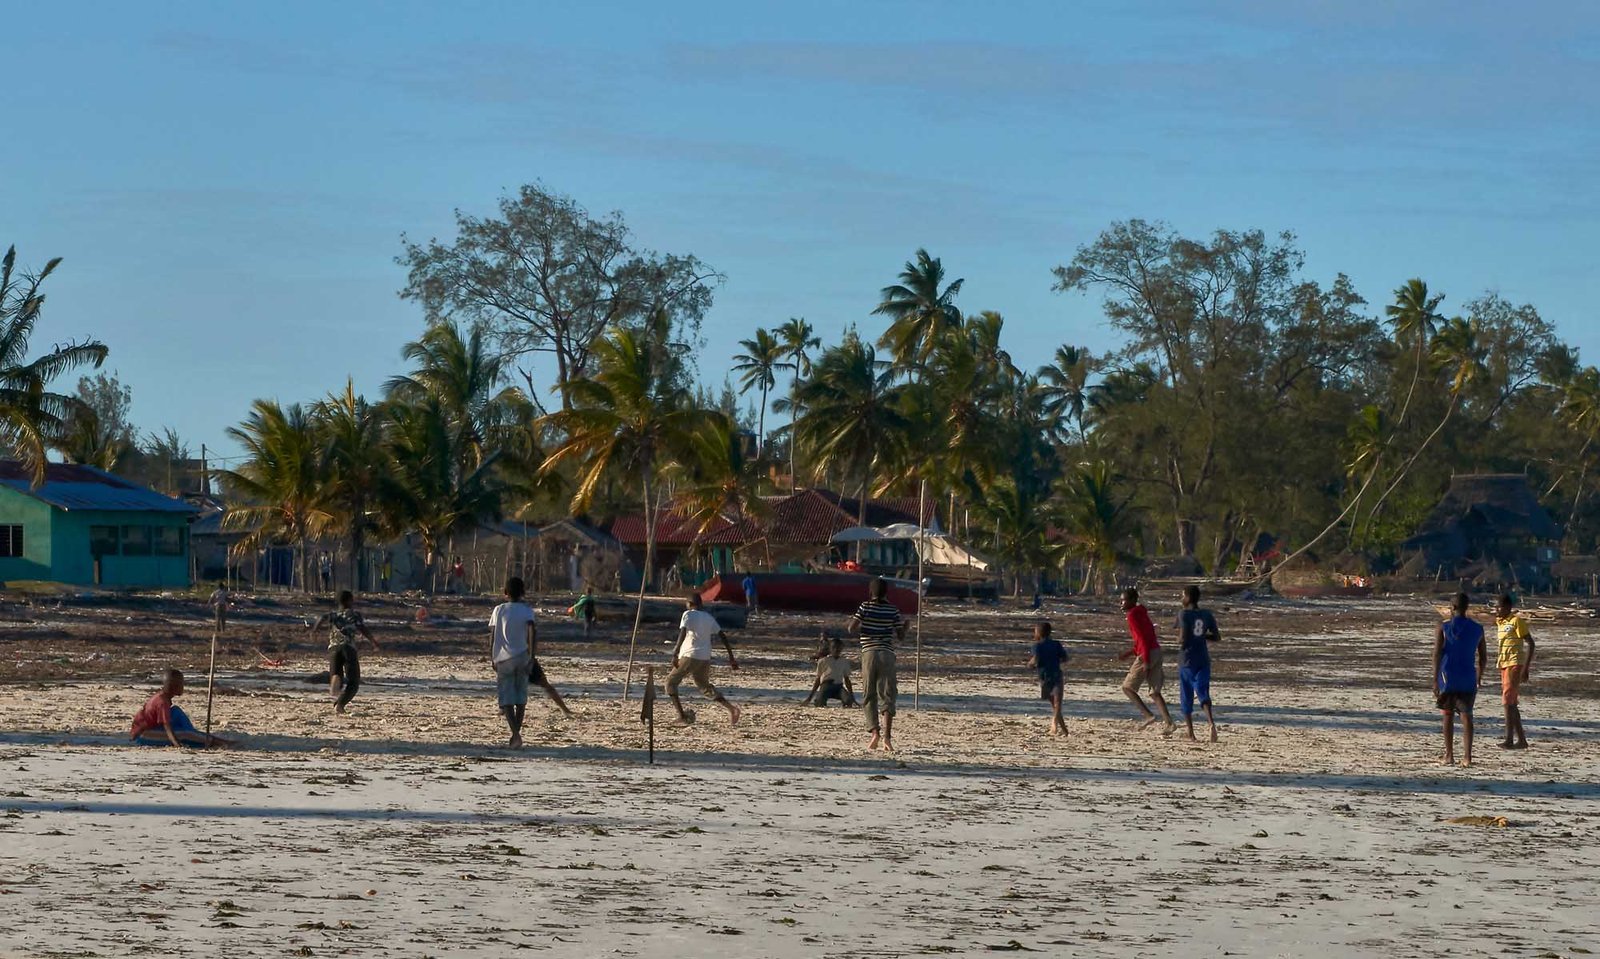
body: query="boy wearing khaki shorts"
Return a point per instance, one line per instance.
(692, 659)
(1147, 668)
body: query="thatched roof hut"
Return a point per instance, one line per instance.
(1489, 519)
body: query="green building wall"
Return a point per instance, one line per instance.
(35, 518)
(56, 546)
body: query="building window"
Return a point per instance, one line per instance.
(136, 541)
(104, 541)
(169, 540)
(10, 541)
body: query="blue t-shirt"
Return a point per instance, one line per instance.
(1458, 666)
(1194, 627)
(1048, 655)
(749, 585)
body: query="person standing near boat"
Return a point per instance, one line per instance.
(878, 622)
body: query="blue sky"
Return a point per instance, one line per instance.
(228, 183)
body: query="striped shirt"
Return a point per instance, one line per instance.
(880, 620)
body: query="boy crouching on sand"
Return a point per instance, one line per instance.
(1049, 657)
(833, 677)
(1459, 656)
(160, 723)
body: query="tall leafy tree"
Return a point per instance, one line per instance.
(32, 417)
(1098, 520)
(547, 276)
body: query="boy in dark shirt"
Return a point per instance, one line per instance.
(1049, 656)
(1197, 630)
(1459, 658)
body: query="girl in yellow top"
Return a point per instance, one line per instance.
(1516, 659)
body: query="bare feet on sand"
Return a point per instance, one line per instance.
(1150, 721)
(1213, 734)
(734, 712)
(516, 742)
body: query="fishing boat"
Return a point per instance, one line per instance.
(832, 592)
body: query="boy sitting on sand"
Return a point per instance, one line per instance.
(833, 678)
(1456, 643)
(160, 723)
(1049, 657)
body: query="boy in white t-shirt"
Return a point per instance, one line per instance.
(513, 649)
(691, 659)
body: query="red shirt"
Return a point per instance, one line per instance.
(1144, 632)
(155, 714)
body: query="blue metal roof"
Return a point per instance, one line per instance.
(69, 486)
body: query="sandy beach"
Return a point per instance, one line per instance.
(1321, 822)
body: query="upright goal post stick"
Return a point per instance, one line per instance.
(922, 497)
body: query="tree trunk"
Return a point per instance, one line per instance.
(358, 548)
(794, 434)
(761, 426)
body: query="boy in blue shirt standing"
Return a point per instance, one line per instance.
(1459, 657)
(1049, 656)
(1197, 630)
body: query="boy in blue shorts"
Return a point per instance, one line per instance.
(1459, 657)
(1049, 657)
(161, 723)
(1197, 630)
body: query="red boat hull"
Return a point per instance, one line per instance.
(806, 592)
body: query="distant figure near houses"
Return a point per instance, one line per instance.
(219, 607)
(751, 600)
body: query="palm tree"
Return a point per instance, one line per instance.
(32, 418)
(436, 487)
(759, 364)
(1456, 353)
(1065, 384)
(1021, 521)
(1580, 411)
(719, 481)
(627, 420)
(466, 378)
(852, 418)
(921, 310)
(1414, 316)
(1096, 519)
(798, 340)
(357, 466)
(279, 491)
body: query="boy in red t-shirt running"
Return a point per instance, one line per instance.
(1146, 668)
(160, 723)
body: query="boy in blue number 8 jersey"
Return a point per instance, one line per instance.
(1197, 629)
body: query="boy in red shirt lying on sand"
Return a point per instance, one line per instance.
(160, 723)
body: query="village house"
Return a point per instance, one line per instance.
(86, 527)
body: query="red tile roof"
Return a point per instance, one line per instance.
(673, 528)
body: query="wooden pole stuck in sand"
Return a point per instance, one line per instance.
(211, 680)
(922, 533)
